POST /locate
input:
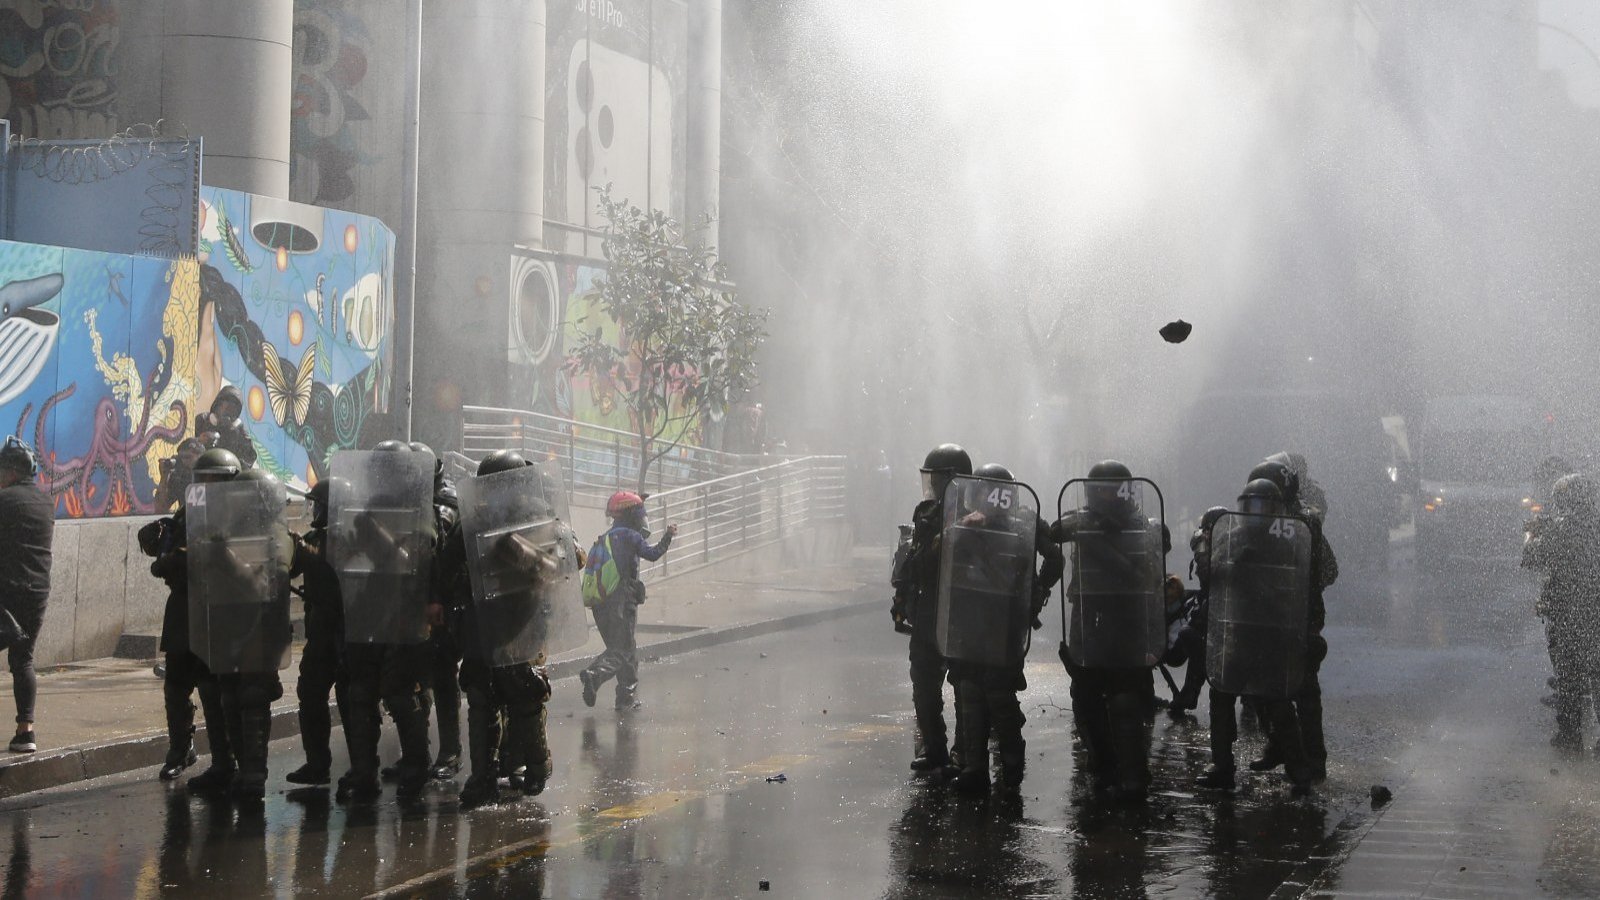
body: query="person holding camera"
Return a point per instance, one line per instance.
(27, 524)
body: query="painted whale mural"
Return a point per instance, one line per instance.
(27, 333)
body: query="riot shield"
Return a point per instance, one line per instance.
(458, 467)
(239, 550)
(1114, 610)
(522, 562)
(1260, 594)
(986, 571)
(380, 541)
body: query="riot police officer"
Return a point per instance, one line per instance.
(1118, 624)
(443, 645)
(166, 540)
(506, 619)
(996, 531)
(384, 543)
(322, 658)
(1261, 569)
(916, 593)
(248, 691)
(1566, 548)
(1308, 702)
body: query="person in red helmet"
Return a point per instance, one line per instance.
(613, 565)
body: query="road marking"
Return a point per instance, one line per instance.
(580, 829)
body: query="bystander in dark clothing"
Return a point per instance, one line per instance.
(27, 524)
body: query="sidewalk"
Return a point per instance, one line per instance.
(100, 717)
(1487, 809)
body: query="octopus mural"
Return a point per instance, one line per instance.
(113, 357)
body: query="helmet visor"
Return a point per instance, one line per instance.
(1257, 506)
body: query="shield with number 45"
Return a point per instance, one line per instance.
(986, 571)
(1260, 596)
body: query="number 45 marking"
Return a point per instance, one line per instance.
(1000, 497)
(1282, 528)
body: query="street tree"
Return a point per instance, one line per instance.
(677, 345)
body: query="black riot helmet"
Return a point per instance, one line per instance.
(1207, 522)
(1278, 472)
(948, 458)
(976, 491)
(1573, 495)
(501, 461)
(258, 474)
(317, 497)
(420, 447)
(1261, 497)
(216, 464)
(392, 446)
(940, 465)
(1107, 492)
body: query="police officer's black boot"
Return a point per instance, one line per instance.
(524, 731)
(1219, 775)
(255, 731)
(972, 738)
(219, 775)
(1569, 718)
(1006, 721)
(1130, 735)
(316, 730)
(1279, 716)
(411, 724)
(180, 739)
(1308, 710)
(483, 752)
(361, 732)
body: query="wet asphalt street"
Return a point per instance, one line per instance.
(681, 798)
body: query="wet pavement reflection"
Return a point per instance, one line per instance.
(674, 799)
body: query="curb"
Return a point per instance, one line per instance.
(124, 754)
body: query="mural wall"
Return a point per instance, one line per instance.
(106, 359)
(346, 123)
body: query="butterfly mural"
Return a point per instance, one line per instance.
(289, 399)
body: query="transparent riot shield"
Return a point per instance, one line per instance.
(381, 540)
(1260, 595)
(1113, 610)
(522, 563)
(986, 571)
(239, 551)
(458, 466)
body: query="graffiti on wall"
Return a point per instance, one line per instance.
(347, 113)
(551, 301)
(106, 359)
(58, 67)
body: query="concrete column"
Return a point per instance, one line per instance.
(225, 77)
(705, 118)
(481, 191)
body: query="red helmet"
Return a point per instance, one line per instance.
(621, 502)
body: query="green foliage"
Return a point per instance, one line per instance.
(687, 345)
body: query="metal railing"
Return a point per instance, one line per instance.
(733, 514)
(596, 460)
